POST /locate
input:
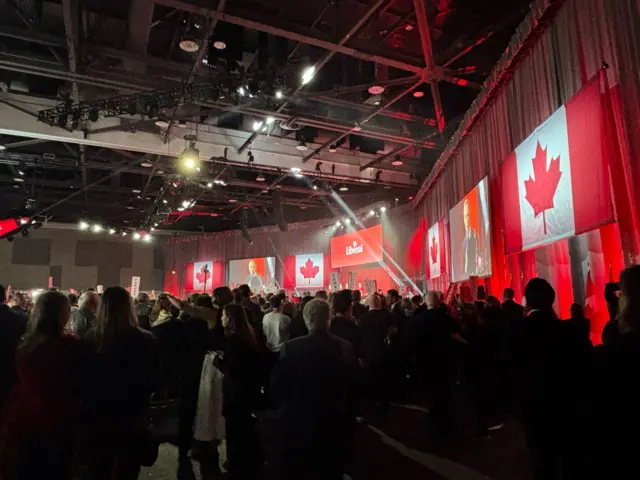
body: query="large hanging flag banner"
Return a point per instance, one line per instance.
(555, 184)
(310, 270)
(435, 249)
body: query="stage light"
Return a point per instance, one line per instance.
(302, 146)
(295, 170)
(260, 178)
(135, 190)
(343, 188)
(23, 221)
(348, 221)
(397, 162)
(338, 223)
(146, 164)
(96, 228)
(2, 147)
(269, 120)
(124, 234)
(371, 213)
(357, 128)
(383, 209)
(242, 91)
(279, 94)
(155, 224)
(308, 74)
(209, 185)
(20, 171)
(376, 90)
(333, 149)
(180, 209)
(233, 200)
(189, 158)
(18, 179)
(173, 272)
(83, 225)
(164, 200)
(112, 231)
(418, 94)
(219, 45)
(136, 236)
(257, 126)
(148, 238)
(315, 187)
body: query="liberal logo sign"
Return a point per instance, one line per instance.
(355, 249)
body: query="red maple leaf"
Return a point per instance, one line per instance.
(203, 274)
(542, 189)
(434, 250)
(308, 270)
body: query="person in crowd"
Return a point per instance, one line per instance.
(83, 318)
(611, 332)
(143, 310)
(433, 342)
(169, 333)
(580, 323)
(513, 311)
(551, 369)
(315, 386)
(342, 323)
(322, 294)
(21, 303)
(374, 326)
(407, 307)
(616, 420)
(128, 372)
(394, 301)
(41, 424)
(358, 309)
(275, 325)
(12, 326)
(240, 393)
(252, 306)
(288, 309)
(161, 311)
(298, 327)
(418, 304)
(73, 300)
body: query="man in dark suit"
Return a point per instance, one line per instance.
(469, 244)
(342, 324)
(315, 387)
(358, 309)
(513, 311)
(12, 327)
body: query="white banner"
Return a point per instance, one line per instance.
(352, 280)
(370, 286)
(135, 286)
(310, 270)
(335, 281)
(100, 288)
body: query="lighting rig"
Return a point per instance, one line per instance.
(153, 102)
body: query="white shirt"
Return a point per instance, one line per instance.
(276, 330)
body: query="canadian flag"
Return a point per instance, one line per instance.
(435, 249)
(555, 184)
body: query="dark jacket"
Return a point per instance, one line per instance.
(513, 312)
(81, 321)
(359, 310)
(315, 387)
(12, 327)
(347, 329)
(172, 353)
(374, 326)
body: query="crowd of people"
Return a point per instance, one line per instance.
(78, 377)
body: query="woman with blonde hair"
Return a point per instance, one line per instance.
(40, 425)
(128, 373)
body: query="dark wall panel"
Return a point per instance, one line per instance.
(31, 251)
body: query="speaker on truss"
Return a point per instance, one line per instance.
(278, 211)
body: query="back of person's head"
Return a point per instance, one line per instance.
(629, 315)
(357, 296)
(163, 302)
(374, 301)
(3, 294)
(89, 301)
(143, 297)
(234, 321)
(276, 302)
(193, 298)
(406, 303)
(492, 302)
(576, 310)
(303, 303)
(245, 290)
(288, 308)
(238, 297)
(262, 302)
(417, 300)
(73, 299)
(342, 302)
(222, 295)
(508, 294)
(317, 315)
(268, 296)
(20, 299)
(322, 294)
(48, 318)
(432, 299)
(540, 295)
(116, 316)
(204, 301)
(393, 295)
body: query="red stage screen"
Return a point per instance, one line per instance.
(470, 235)
(7, 226)
(357, 248)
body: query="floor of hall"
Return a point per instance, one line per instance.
(394, 449)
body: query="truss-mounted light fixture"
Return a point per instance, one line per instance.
(418, 94)
(397, 162)
(189, 42)
(376, 90)
(302, 146)
(260, 178)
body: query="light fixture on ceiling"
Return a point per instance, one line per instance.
(20, 171)
(383, 209)
(135, 190)
(209, 185)
(219, 44)
(307, 74)
(279, 94)
(302, 146)
(397, 162)
(371, 213)
(333, 149)
(295, 170)
(162, 122)
(97, 228)
(136, 236)
(269, 120)
(357, 128)
(18, 179)
(338, 223)
(418, 94)
(181, 209)
(83, 225)
(408, 27)
(189, 43)
(260, 178)
(146, 164)
(233, 200)
(147, 238)
(315, 187)
(376, 90)
(124, 234)
(2, 147)
(112, 231)
(164, 200)
(186, 203)
(190, 157)
(257, 126)
(343, 188)
(242, 91)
